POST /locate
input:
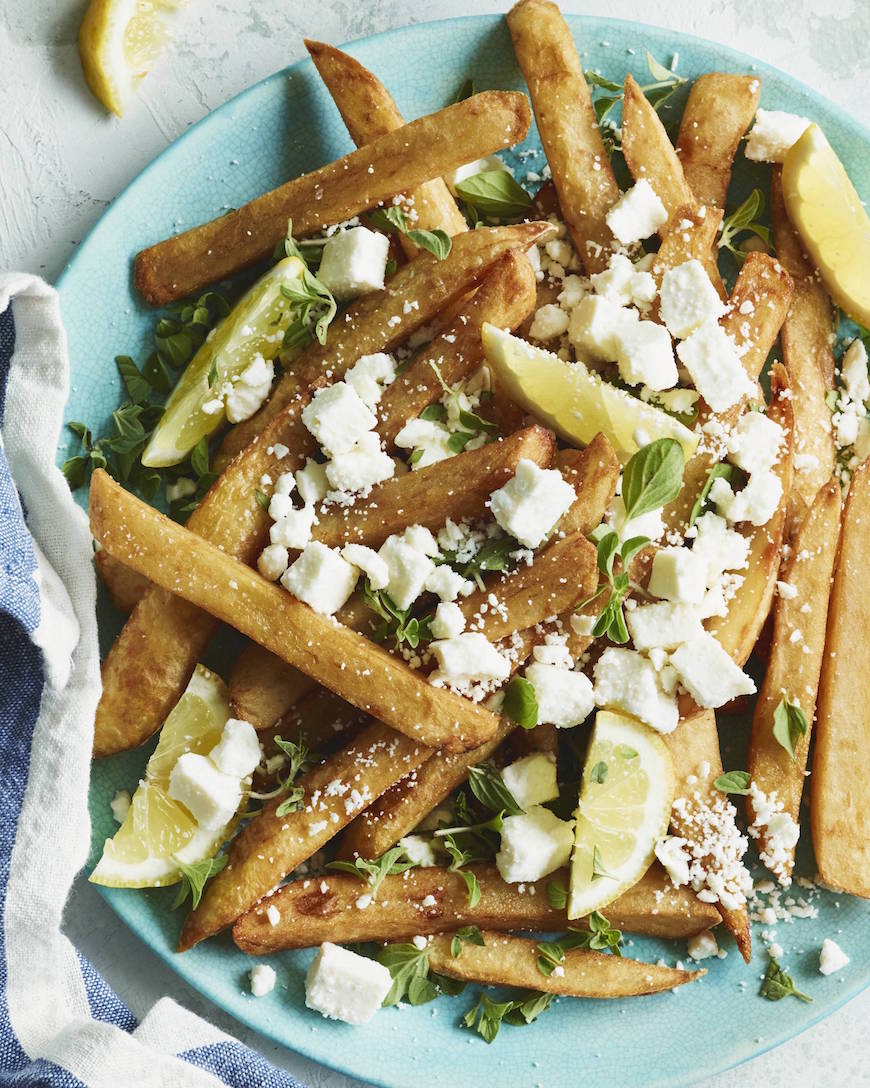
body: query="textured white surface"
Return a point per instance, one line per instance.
(62, 160)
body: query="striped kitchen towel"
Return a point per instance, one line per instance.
(60, 1023)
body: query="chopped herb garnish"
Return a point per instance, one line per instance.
(488, 787)
(733, 782)
(374, 872)
(494, 195)
(396, 623)
(653, 477)
(777, 984)
(409, 967)
(557, 894)
(665, 82)
(789, 725)
(520, 702)
(392, 219)
(194, 878)
(721, 471)
(598, 773)
(742, 220)
(465, 935)
(598, 869)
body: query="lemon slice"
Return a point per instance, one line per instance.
(141, 853)
(119, 41)
(575, 401)
(254, 326)
(831, 220)
(625, 806)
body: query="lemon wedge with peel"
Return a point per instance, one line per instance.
(575, 401)
(157, 828)
(119, 41)
(833, 224)
(624, 809)
(255, 326)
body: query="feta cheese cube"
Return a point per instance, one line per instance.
(531, 502)
(637, 214)
(720, 548)
(294, 529)
(337, 418)
(362, 466)
(533, 845)
(853, 371)
(120, 806)
(845, 429)
(553, 652)
(445, 583)
(615, 283)
(408, 567)
(449, 621)
(209, 795)
(421, 538)
(370, 375)
(708, 673)
(663, 624)
(594, 328)
(626, 681)
(687, 299)
(250, 389)
(467, 658)
(773, 133)
(714, 366)
(755, 442)
(755, 503)
(263, 979)
(678, 575)
(321, 578)
(703, 945)
(831, 958)
(532, 779)
(311, 481)
(644, 355)
(272, 561)
(564, 697)
(354, 262)
(342, 985)
(369, 562)
(573, 289)
(428, 436)
(238, 751)
(418, 850)
(550, 321)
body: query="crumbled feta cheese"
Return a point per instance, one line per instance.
(583, 625)
(238, 751)
(418, 850)
(779, 830)
(663, 624)
(554, 651)
(709, 674)
(531, 502)
(720, 548)
(616, 282)
(703, 945)
(532, 779)
(210, 796)
(637, 214)
(120, 806)
(853, 371)
(467, 658)
(362, 466)
(714, 366)
(272, 561)
(250, 389)
(549, 321)
(845, 429)
(321, 578)
(573, 289)
(687, 299)
(672, 853)
(370, 375)
(445, 583)
(564, 697)
(343, 985)
(293, 530)
(337, 418)
(831, 957)
(773, 133)
(624, 680)
(354, 262)
(449, 621)
(311, 481)
(408, 567)
(755, 503)
(755, 442)
(428, 436)
(678, 574)
(369, 562)
(594, 328)
(273, 914)
(182, 488)
(263, 979)
(533, 845)
(644, 355)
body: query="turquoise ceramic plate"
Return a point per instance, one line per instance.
(278, 129)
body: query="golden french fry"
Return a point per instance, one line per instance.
(379, 322)
(593, 473)
(839, 786)
(368, 110)
(504, 298)
(347, 663)
(719, 109)
(272, 846)
(504, 960)
(396, 162)
(694, 748)
(807, 350)
(566, 121)
(649, 154)
(795, 663)
(695, 240)
(324, 909)
(125, 587)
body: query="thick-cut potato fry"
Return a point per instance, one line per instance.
(795, 664)
(738, 631)
(593, 473)
(379, 322)
(719, 109)
(124, 586)
(694, 748)
(396, 162)
(324, 909)
(504, 960)
(695, 240)
(458, 488)
(368, 111)
(650, 155)
(807, 350)
(505, 298)
(347, 663)
(526, 742)
(572, 142)
(272, 846)
(839, 785)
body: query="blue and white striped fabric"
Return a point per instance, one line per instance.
(60, 1023)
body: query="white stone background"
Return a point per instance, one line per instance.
(62, 159)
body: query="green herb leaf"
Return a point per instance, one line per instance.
(314, 307)
(434, 412)
(557, 894)
(262, 498)
(465, 935)
(473, 886)
(524, 1011)
(405, 962)
(291, 803)
(199, 460)
(624, 752)
(520, 702)
(631, 547)
(392, 219)
(374, 872)
(742, 220)
(658, 70)
(733, 782)
(457, 442)
(595, 79)
(494, 194)
(721, 471)
(137, 387)
(599, 773)
(488, 787)
(486, 1017)
(777, 984)
(789, 725)
(465, 91)
(194, 877)
(477, 423)
(608, 549)
(598, 869)
(653, 477)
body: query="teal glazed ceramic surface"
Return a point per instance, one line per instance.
(280, 128)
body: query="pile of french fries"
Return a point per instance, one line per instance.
(408, 744)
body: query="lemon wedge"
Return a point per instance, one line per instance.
(157, 828)
(119, 41)
(575, 401)
(831, 220)
(624, 809)
(254, 326)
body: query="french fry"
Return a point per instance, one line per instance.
(272, 846)
(807, 350)
(504, 960)
(325, 909)
(719, 109)
(567, 126)
(504, 298)
(649, 154)
(525, 742)
(419, 291)
(839, 786)
(347, 663)
(795, 664)
(694, 748)
(457, 488)
(368, 111)
(125, 587)
(593, 473)
(396, 162)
